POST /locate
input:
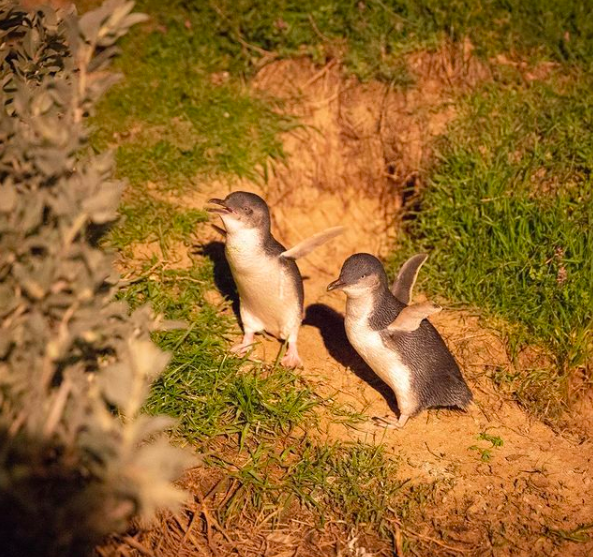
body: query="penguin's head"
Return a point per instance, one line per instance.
(361, 274)
(242, 210)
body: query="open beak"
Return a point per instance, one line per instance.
(224, 210)
(336, 285)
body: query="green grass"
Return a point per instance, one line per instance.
(371, 36)
(355, 484)
(209, 392)
(146, 219)
(507, 213)
(486, 453)
(358, 479)
(544, 391)
(184, 70)
(172, 124)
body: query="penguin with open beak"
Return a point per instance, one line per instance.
(396, 340)
(268, 280)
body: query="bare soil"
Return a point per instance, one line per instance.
(362, 148)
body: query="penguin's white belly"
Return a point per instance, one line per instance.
(268, 297)
(384, 362)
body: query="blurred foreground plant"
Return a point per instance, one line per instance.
(77, 459)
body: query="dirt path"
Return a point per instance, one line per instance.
(525, 497)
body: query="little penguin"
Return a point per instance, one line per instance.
(396, 340)
(268, 280)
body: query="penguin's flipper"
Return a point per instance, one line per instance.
(406, 278)
(219, 229)
(307, 246)
(410, 317)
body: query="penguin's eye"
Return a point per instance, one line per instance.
(363, 276)
(247, 210)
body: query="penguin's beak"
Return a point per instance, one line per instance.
(224, 210)
(336, 285)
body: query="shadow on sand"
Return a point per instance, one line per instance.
(223, 279)
(331, 326)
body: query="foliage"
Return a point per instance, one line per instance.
(71, 358)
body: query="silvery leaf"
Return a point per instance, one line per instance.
(7, 197)
(116, 383)
(147, 359)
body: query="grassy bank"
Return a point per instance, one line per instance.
(506, 215)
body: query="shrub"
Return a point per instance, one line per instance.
(77, 458)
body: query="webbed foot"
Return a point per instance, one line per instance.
(244, 346)
(391, 422)
(291, 358)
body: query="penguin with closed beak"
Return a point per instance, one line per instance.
(396, 340)
(268, 280)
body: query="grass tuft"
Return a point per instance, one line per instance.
(147, 219)
(507, 213)
(358, 479)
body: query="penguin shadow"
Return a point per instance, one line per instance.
(331, 326)
(223, 279)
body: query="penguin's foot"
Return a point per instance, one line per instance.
(391, 422)
(291, 358)
(240, 349)
(244, 346)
